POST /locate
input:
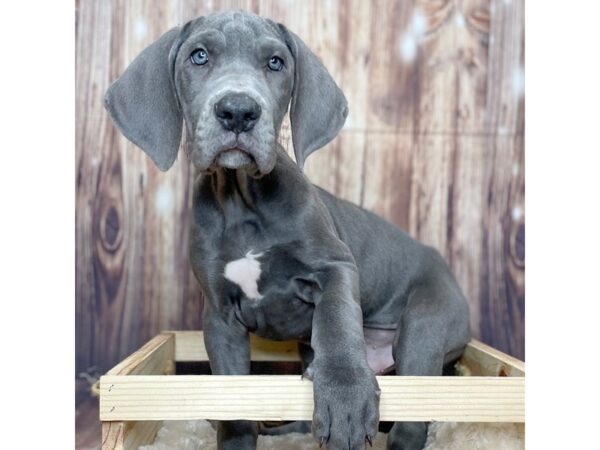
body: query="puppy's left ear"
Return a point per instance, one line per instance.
(318, 109)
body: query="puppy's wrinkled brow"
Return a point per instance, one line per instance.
(212, 40)
(267, 47)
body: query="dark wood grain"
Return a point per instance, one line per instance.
(88, 433)
(433, 143)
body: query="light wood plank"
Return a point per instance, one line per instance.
(154, 358)
(468, 160)
(502, 295)
(505, 95)
(128, 435)
(392, 81)
(113, 435)
(434, 87)
(432, 161)
(483, 360)
(189, 346)
(388, 172)
(283, 397)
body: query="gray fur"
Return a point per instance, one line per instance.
(152, 122)
(329, 268)
(318, 109)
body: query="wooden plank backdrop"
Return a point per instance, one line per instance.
(434, 143)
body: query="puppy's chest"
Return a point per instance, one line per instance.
(269, 292)
(245, 273)
(267, 271)
(274, 308)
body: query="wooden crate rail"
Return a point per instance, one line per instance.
(287, 397)
(140, 392)
(155, 358)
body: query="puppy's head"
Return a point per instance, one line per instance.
(230, 77)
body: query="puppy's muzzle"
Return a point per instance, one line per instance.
(238, 113)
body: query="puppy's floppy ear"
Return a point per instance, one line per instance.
(319, 108)
(143, 104)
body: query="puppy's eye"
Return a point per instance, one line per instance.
(199, 57)
(276, 63)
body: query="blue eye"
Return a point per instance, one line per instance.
(276, 63)
(199, 57)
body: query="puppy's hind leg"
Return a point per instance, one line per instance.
(432, 330)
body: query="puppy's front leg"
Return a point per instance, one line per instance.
(228, 346)
(346, 393)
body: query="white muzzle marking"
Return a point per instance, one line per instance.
(245, 272)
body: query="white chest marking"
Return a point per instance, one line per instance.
(245, 272)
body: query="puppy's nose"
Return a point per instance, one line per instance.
(237, 112)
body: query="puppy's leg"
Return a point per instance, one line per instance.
(228, 346)
(299, 426)
(346, 393)
(306, 355)
(433, 327)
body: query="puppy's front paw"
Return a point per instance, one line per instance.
(346, 411)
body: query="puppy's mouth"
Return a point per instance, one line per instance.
(234, 158)
(235, 152)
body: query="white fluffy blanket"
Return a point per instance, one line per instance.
(199, 435)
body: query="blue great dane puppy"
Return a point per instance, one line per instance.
(274, 254)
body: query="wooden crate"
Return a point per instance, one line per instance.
(142, 391)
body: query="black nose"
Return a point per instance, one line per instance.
(237, 112)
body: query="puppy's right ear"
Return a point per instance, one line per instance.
(143, 104)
